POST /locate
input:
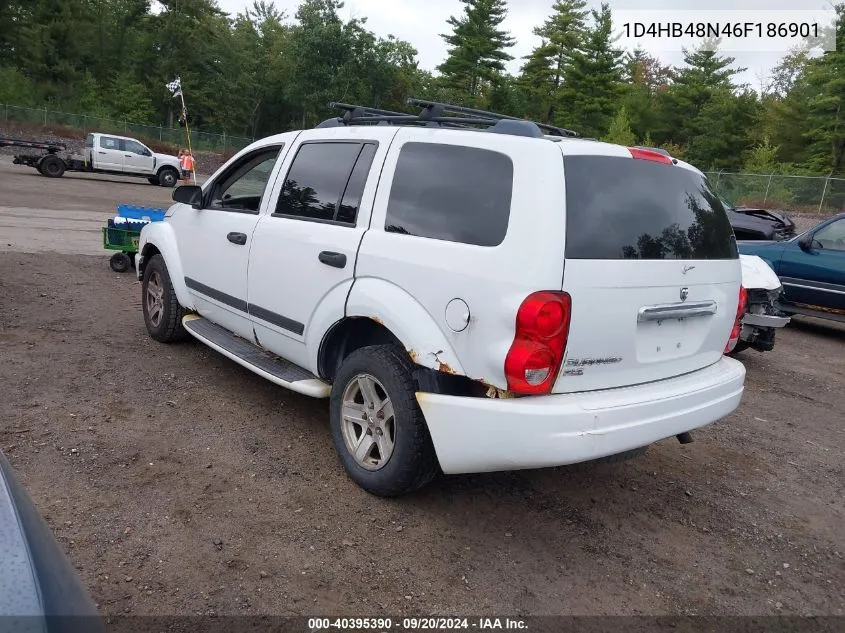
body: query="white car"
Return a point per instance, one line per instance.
(762, 316)
(469, 300)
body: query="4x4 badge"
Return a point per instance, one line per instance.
(684, 294)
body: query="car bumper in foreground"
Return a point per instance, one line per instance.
(483, 434)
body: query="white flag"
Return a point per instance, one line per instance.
(175, 87)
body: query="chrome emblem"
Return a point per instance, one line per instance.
(687, 269)
(684, 294)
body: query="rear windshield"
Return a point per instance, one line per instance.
(621, 208)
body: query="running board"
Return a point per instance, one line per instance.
(257, 360)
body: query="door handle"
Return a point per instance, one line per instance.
(101, 152)
(335, 260)
(128, 155)
(237, 238)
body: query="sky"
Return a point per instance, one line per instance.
(421, 22)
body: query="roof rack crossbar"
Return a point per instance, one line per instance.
(454, 109)
(433, 113)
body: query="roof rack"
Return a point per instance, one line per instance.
(435, 114)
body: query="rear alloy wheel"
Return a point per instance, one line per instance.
(168, 178)
(378, 428)
(368, 422)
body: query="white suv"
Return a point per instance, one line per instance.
(469, 299)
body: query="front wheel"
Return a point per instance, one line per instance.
(162, 312)
(168, 178)
(378, 428)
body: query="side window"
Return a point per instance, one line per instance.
(451, 193)
(136, 148)
(107, 142)
(326, 181)
(832, 236)
(89, 140)
(242, 186)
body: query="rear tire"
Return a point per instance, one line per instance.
(162, 312)
(168, 177)
(153, 180)
(120, 262)
(377, 426)
(52, 166)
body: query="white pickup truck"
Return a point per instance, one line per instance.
(106, 154)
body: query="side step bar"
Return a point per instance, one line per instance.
(260, 361)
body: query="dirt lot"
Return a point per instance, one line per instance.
(179, 482)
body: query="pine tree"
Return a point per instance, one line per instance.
(826, 104)
(592, 81)
(620, 130)
(562, 34)
(476, 47)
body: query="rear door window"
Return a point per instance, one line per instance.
(318, 180)
(622, 208)
(452, 193)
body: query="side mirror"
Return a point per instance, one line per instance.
(188, 194)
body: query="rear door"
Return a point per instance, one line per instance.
(651, 266)
(109, 155)
(137, 158)
(302, 261)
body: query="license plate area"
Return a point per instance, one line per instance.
(670, 338)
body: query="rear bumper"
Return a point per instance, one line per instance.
(483, 435)
(764, 320)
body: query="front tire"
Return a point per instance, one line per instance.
(377, 426)
(168, 178)
(162, 312)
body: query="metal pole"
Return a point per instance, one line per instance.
(766, 195)
(45, 115)
(159, 133)
(188, 132)
(824, 191)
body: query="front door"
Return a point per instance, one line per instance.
(137, 158)
(815, 277)
(109, 155)
(215, 241)
(302, 263)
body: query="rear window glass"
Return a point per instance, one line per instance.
(451, 193)
(621, 208)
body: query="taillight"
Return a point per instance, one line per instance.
(737, 328)
(647, 154)
(536, 354)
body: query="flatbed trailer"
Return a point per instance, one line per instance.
(49, 161)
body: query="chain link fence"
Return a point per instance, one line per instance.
(805, 194)
(200, 141)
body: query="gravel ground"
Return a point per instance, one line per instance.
(180, 483)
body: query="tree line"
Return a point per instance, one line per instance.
(263, 71)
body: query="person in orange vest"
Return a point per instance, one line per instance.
(186, 160)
